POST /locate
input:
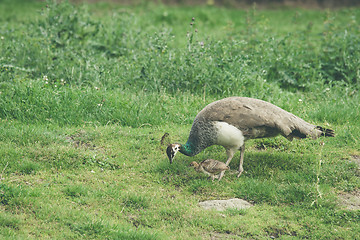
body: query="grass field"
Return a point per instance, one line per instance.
(87, 92)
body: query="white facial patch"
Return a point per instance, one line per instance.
(175, 149)
(172, 150)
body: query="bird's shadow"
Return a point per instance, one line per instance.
(262, 164)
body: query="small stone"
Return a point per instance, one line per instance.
(221, 205)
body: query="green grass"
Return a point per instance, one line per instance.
(87, 92)
(113, 187)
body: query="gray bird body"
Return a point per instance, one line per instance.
(210, 167)
(231, 121)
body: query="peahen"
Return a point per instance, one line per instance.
(229, 122)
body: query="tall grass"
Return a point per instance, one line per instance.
(69, 67)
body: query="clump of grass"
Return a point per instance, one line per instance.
(257, 191)
(123, 233)
(171, 214)
(11, 196)
(136, 201)
(75, 191)
(28, 167)
(9, 221)
(92, 228)
(236, 212)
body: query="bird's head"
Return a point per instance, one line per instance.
(171, 151)
(194, 164)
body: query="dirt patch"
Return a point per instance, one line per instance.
(350, 201)
(274, 232)
(356, 159)
(80, 140)
(220, 236)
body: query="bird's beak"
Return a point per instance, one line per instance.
(170, 153)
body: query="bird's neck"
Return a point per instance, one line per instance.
(187, 149)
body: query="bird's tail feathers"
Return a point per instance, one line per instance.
(316, 132)
(326, 131)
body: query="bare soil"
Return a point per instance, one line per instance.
(351, 201)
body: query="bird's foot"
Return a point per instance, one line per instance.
(211, 177)
(241, 170)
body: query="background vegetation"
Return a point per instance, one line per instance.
(87, 91)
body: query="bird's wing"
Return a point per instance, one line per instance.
(213, 166)
(248, 114)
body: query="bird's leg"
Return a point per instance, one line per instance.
(242, 151)
(221, 175)
(230, 153)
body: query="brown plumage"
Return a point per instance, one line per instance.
(257, 118)
(231, 121)
(210, 167)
